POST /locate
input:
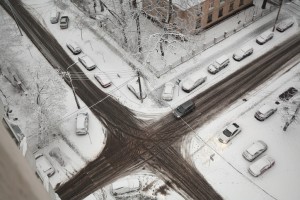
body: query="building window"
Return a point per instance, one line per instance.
(198, 23)
(209, 18)
(231, 6)
(241, 2)
(199, 10)
(211, 4)
(222, 1)
(221, 12)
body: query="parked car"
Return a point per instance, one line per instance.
(264, 112)
(54, 17)
(218, 65)
(44, 165)
(64, 22)
(168, 91)
(243, 53)
(133, 86)
(87, 62)
(255, 150)
(82, 122)
(73, 46)
(261, 165)
(229, 132)
(289, 93)
(184, 109)
(264, 37)
(193, 81)
(103, 79)
(284, 25)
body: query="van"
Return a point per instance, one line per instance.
(54, 17)
(264, 112)
(184, 109)
(218, 65)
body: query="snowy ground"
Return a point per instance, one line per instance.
(227, 169)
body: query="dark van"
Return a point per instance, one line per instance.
(184, 109)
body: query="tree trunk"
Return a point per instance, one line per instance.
(161, 47)
(101, 5)
(138, 27)
(123, 25)
(170, 12)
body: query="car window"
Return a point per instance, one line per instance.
(227, 132)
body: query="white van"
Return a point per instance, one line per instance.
(218, 65)
(54, 17)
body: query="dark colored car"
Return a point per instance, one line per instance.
(184, 109)
(289, 93)
(64, 22)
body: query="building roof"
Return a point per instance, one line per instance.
(186, 4)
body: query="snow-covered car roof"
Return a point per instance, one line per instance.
(81, 120)
(265, 108)
(260, 164)
(87, 60)
(258, 145)
(221, 59)
(265, 34)
(103, 77)
(285, 23)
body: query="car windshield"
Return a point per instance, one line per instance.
(180, 109)
(227, 132)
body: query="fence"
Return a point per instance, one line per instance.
(207, 45)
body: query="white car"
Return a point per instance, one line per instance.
(229, 132)
(103, 79)
(133, 86)
(284, 25)
(261, 165)
(243, 53)
(193, 81)
(255, 150)
(218, 65)
(87, 62)
(44, 165)
(264, 112)
(73, 46)
(264, 37)
(82, 123)
(168, 91)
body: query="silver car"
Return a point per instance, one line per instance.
(264, 112)
(264, 37)
(284, 25)
(255, 150)
(44, 165)
(73, 46)
(192, 81)
(168, 91)
(87, 62)
(261, 165)
(82, 122)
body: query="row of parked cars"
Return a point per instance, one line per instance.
(55, 17)
(196, 79)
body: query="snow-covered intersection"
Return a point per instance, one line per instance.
(222, 165)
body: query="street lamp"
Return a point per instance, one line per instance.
(77, 102)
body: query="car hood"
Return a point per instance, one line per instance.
(187, 84)
(238, 54)
(212, 68)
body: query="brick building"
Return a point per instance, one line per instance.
(191, 16)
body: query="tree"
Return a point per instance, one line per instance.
(138, 27)
(80, 23)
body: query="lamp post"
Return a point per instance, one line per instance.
(67, 72)
(277, 15)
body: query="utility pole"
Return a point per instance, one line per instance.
(77, 102)
(140, 86)
(8, 3)
(277, 15)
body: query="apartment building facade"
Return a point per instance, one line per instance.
(191, 16)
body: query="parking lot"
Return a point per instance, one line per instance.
(223, 164)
